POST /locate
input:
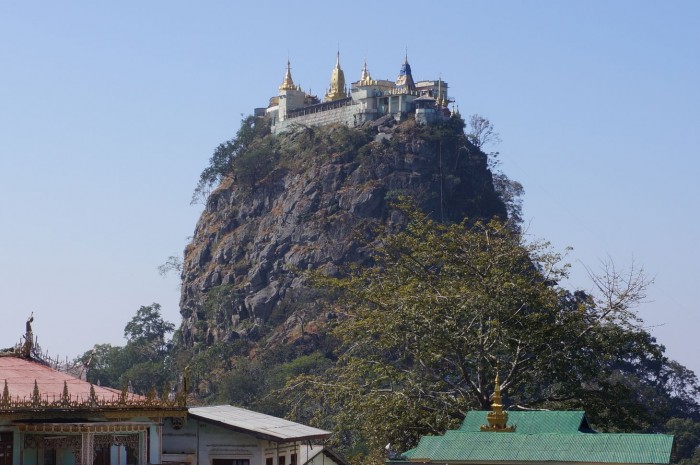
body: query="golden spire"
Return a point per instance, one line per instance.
(438, 100)
(287, 83)
(497, 418)
(366, 79)
(337, 89)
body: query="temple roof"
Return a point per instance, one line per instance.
(31, 388)
(540, 437)
(21, 374)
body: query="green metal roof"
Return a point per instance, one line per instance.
(541, 437)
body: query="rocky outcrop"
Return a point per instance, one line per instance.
(315, 209)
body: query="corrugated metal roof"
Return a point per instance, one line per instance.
(258, 424)
(471, 446)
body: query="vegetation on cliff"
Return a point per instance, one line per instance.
(309, 199)
(310, 289)
(444, 307)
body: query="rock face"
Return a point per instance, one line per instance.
(315, 209)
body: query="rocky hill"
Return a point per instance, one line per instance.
(310, 200)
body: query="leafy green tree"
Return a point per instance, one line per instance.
(511, 193)
(222, 161)
(481, 132)
(447, 306)
(141, 362)
(686, 433)
(105, 364)
(148, 330)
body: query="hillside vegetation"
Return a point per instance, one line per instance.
(372, 281)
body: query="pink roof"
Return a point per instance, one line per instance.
(20, 375)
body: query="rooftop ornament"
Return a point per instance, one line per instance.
(497, 418)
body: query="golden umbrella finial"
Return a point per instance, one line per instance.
(497, 418)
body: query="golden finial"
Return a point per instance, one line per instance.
(36, 395)
(93, 397)
(497, 418)
(5, 394)
(287, 83)
(366, 79)
(438, 99)
(65, 396)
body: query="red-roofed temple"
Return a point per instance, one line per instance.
(49, 417)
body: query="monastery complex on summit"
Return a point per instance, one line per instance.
(364, 100)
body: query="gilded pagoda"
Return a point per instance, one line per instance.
(362, 101)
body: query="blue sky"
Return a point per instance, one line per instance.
(109, 112)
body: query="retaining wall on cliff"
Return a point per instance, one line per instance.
(350, 115)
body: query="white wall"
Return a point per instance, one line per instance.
(207, 442)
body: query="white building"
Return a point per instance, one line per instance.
(227, 435)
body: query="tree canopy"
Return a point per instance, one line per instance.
(141, 362)
(444, 307)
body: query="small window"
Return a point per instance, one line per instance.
(282, 460)
(269, 461)
(293, 459)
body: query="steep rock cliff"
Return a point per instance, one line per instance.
(309, 200)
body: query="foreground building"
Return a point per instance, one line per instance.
(50, 415)
(228, 435)
(534, 437)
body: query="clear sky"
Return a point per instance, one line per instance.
(110, 110)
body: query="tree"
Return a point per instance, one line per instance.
(447, 306)
(141, 362)
(481, 132)
(147, 329)
(221, 163)
(686, 433)
(173, 263)
(511, 193)
(104, 364)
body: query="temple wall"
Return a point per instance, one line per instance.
(351, 115)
